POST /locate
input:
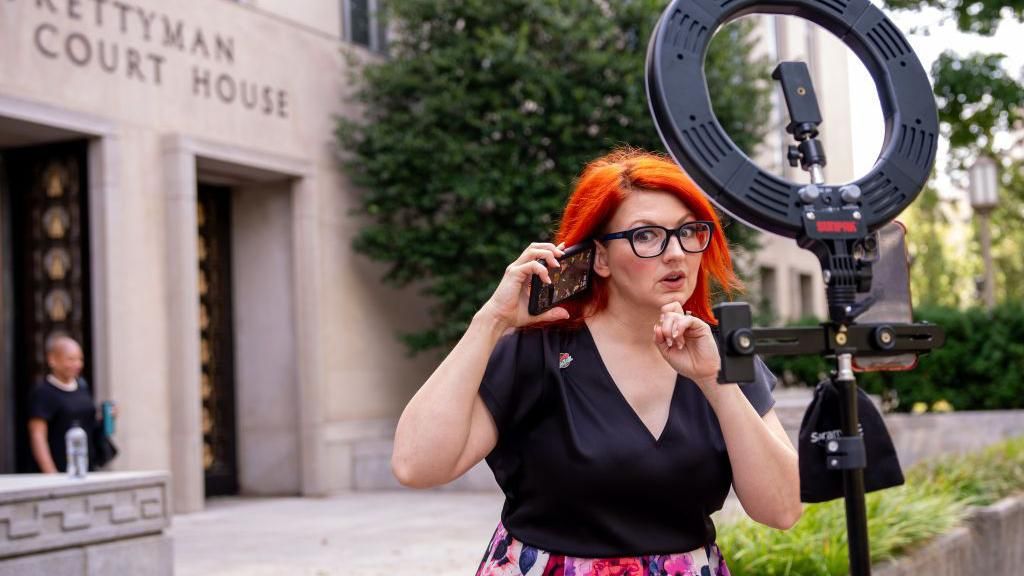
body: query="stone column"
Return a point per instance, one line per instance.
(183, 327)
(307, 282)
(104, 210)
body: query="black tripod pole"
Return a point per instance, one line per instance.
(839, 338)
(853, 477)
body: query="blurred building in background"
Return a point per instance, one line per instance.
(170, 195)
(787, 283)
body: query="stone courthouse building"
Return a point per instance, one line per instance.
(170, 195)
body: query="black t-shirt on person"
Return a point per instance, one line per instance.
(582, 475)
(60, 409)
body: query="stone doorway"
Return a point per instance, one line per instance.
(277, 449)
(44, 219)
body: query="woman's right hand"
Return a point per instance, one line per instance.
(509, 305)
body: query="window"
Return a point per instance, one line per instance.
(806, 296)
(362, 24)
(769, 293)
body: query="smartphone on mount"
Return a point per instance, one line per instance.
(886, 248)
(572, 278)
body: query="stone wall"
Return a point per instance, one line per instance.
(246, 95)
(51, 524)
(923, 436)
(916, 437)
(990, 542)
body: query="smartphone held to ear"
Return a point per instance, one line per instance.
(573, 277)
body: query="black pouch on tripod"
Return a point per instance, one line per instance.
(821, 423)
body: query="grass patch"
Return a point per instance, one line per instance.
(980, 478)
(936, 496)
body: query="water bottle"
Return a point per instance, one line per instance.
(77, 445)
(108, 418)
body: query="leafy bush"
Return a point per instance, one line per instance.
(936, 496)
(475, 127)
(981, 366)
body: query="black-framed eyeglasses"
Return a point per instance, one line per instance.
(651, 241)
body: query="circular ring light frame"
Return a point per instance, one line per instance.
(678, 96)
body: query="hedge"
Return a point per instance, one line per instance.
(980, 367)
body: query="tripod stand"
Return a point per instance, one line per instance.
(834, 234)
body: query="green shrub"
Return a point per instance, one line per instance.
(935, 497)
(475, 128)
(979, 478)
(980, 367)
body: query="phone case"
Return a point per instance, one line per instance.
(542, 296)
(889, 310)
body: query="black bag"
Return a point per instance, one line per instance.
(102, 450)
(821, 423)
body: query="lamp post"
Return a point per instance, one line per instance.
(984, 192)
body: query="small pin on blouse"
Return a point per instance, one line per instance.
(564, 359)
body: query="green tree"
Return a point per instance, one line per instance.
(935, 278)
(978, 98)
(476, 124)
(977, 16)
(1008, 235)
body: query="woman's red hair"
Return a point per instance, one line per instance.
(599, 192)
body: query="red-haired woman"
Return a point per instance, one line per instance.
(602, 420)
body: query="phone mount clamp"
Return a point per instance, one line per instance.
(833, 222)
(804, 118)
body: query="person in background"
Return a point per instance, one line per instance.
(57, 402)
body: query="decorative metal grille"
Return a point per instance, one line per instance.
(216, 354)
(49, 264)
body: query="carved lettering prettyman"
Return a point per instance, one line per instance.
(224, 48)
(199, 44)
(123, 9)
(146, 34)
(141, 24)
(46, 4)
(147, 24)
(174, 33)
(99, 11)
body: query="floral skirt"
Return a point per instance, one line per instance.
(507, 556)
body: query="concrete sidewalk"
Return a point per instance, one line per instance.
(398, 533)
(357, 534)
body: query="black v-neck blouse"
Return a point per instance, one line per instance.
(582, 475)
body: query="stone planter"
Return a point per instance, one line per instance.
(108, 523)
(990, 541)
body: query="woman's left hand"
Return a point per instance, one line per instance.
(687, 344)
